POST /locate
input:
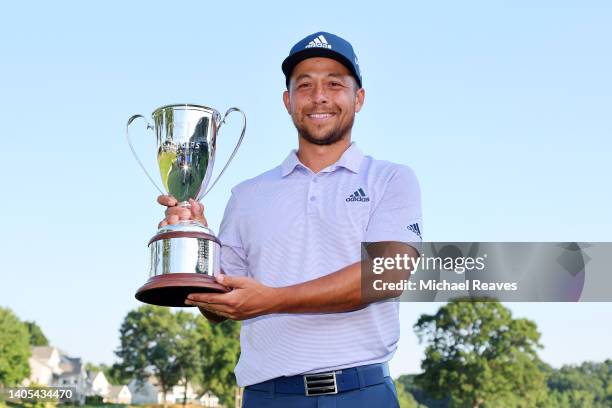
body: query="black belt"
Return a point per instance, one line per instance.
(331, 382)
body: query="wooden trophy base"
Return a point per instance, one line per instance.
(172, 289)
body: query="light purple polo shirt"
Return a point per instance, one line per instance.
(290, 225)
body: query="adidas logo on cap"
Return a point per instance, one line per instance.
(358, 195)
(319, 42)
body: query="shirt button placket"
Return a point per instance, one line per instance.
(313, 196)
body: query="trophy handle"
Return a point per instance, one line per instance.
(127, 135)
(230, 110)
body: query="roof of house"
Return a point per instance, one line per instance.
(92, 375)
(142, 386)
(115, 390)
(208, 394)
(70, 365)
(42, 352)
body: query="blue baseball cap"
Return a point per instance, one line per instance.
(322, 44)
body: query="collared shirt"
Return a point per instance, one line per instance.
(290, 225)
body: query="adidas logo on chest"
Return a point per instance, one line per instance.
(358, 195)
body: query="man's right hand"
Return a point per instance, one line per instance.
(176, 213)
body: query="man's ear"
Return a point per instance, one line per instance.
(287, 102)
(359, 99)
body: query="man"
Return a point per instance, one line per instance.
(292, 248)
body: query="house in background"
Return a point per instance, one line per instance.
(118, 394)
(72, 373)
(44, 363)
(209, 400)
(145, 392)
(98, 384)
(51, 367)
(178, 394)
(149, 392)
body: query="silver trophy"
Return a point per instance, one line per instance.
(184, 256)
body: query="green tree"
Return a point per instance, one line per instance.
(408, 383)
(152, 343)
(37, 402)
(14, 349)
(405, 398)
(37, 337)
(94, 368)
(479, 356)
(586, 385)
(188, 352)
(220, 349)
(156, 342)
(176, 349)
(114, 374)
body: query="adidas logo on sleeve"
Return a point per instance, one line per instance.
(358, 195)
(415, 228)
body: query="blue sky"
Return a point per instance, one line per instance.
(501, 108)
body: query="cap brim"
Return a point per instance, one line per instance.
(291, 61)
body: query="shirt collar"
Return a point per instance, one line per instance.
(350, 159)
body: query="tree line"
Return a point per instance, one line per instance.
(587, 385)
(176, 349)
(477, 356)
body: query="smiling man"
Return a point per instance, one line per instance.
(291, 248)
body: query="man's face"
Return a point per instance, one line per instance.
(322, 100)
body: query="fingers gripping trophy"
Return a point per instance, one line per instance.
(185, 255)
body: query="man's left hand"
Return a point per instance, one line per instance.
(247, 299)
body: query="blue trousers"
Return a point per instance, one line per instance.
(381, 395)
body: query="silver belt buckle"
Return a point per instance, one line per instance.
(320, 384)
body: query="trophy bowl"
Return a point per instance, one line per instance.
(184, 256)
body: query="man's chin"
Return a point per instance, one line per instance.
(322, 140)
(324, 135)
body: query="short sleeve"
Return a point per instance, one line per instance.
(233, 255)
(397, 215)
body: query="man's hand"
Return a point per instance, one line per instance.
(247, 299)
(175, 213)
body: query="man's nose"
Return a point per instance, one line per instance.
(319, 94)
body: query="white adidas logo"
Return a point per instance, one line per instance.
(319, 42)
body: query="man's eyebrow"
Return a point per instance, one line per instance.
(331, 74)
(302, 76)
